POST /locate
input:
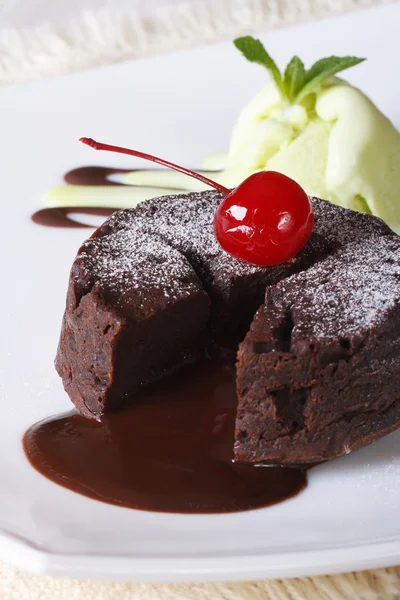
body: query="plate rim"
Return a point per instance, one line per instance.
(23, 553)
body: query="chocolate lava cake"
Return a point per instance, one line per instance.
(318, 370)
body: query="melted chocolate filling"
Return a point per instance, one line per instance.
(170, 450)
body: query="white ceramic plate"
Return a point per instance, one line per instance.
(182, 107)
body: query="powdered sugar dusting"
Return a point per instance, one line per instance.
(140, 271)
(354, 290)
(343, 226)
(185, 221)
(149, 248)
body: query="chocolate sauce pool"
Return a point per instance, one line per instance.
(170, 450)
(61, 216)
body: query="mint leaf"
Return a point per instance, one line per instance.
(296, 83)
(255, 52)
(294, 78)
(322, 70)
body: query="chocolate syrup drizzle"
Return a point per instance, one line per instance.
(61, 216)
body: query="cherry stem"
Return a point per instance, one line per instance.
(160, 161)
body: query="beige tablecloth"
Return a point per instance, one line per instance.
(383, 584)
(45, 37)
(42, 37)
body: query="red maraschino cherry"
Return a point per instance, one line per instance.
(265, 221)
